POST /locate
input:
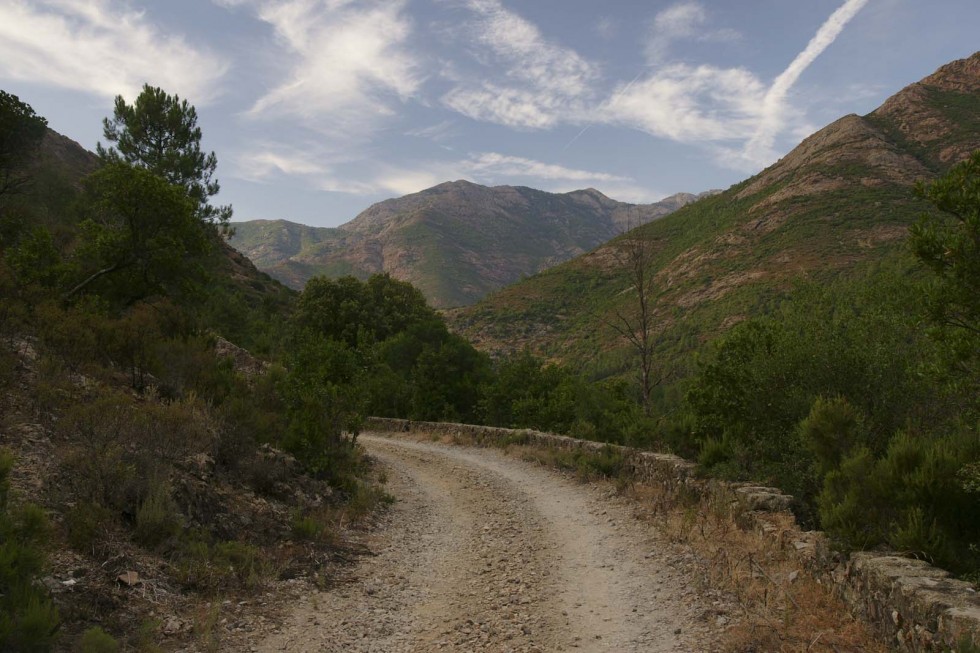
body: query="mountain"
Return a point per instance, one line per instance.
(456, 241)
(842, 199)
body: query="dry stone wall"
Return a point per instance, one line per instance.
(913, 606)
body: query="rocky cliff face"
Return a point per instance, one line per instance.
(456, 241)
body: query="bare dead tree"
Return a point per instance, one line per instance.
(635, 323)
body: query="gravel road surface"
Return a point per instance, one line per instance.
(484, 552)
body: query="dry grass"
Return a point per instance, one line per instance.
(782, 607)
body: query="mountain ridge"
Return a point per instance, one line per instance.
(455, 241)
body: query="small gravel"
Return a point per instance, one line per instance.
(483, 552)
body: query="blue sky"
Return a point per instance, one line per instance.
(318, 108)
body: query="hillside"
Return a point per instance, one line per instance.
(843, 198)
(456, 241)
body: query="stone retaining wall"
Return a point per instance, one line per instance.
(913, 606)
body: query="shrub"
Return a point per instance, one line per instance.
(28, 619)
(96, 640)
(157, 520)
(216, 567)
(911, 499)
(832, 429)
(88, 524)
(306, 527)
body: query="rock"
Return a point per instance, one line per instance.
(172, 626)
(129, 578)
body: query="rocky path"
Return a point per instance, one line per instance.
(488, 553)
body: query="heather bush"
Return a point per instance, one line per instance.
(28, 619)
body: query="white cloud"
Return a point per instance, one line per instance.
(683, 20)
(319, 168)
(535, 82)
(492, 165)
(267, 162)
(439, 132)
(690, 104)
(675, 22)
(101, 47)
(348, 63)
(607, 28)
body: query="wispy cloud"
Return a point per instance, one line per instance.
(348, 62)
(774, 107)
(534, 83)
(682, 21)
(102, 47)
(439, 132)
(324, 170)
(492, 165)
(678, 21)
(690, 103)
(268, 161)
(730, 110)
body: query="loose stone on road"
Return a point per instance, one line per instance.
(483, 552)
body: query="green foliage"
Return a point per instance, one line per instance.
(21, 131)
(139, 236)
(323, 406)
(28, 619)
(306, 527)
(832, 429)
(157, 520)
(96, 640)
(949, 244)
(159, 132)
(910, 498)
(213, 567)
(527, 393)
(857, 341)
(361, 313)
(88, 525)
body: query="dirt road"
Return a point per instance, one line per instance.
(484, 552)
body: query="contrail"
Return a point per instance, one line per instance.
(772, 104)
(618, 95)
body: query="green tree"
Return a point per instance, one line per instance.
(159, 132)
(949, 244)
(21, 131)
(140, 236)
(362, 313)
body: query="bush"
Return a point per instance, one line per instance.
(88, 524)
(912, 499)
(96, 640)
(28, 619)
(832, 429)
(157, 520)
(217, 567)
